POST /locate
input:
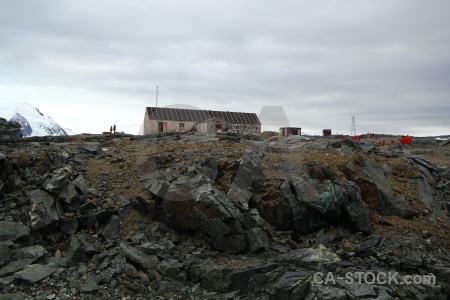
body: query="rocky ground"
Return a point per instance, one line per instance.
(222, 217)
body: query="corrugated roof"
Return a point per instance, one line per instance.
(193, 115)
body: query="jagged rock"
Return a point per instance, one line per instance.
(35, 273)
(361, 291)
(31, 252)
(9, 131)
(250, 168)
(43, 212)
(57, 184)
(169, 268)
(2, 190)
(75, 254)
(95, 220)
(239, 196)
(331, 293)
(273, 205)
(290, 286)
(145, 260)
(5, 252)
(309, 258)
(112, 229)
(240, 278)
(92, 149)
(145, 204)
(91, 284)
(257, 240)
(194, 204)
(209, 168)
(15, 266)
(81, 185)
(69, 198)
(426, 193)
(14, 232)
(68, 225)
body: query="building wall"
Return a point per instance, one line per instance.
(151, 126)
(208, 126)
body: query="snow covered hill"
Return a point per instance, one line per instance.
(33, 122)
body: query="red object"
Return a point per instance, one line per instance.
(392, 142)
(406, 140)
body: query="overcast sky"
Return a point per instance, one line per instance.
(89, 64)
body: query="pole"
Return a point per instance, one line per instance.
(156, 96)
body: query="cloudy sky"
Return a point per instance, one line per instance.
(89, 64)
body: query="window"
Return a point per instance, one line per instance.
(236, 127)
(218, 126)
(181, 125)
(256, 128)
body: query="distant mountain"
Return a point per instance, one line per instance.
(33, 122)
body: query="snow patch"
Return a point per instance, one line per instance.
(34, 123)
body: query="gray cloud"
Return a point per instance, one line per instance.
(387, 62)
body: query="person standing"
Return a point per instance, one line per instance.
(110, 130)
(114, 128)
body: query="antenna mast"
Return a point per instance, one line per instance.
(353, 128)
(156, 96)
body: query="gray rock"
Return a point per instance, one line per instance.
(58, 262)
(331, 293)
(90, 285)
(35, 273)
(239, 196)
(31, 252)
(81, 185)
(9, 131)
(94, 220)
(145, 260)
(75, 253)
(290, 286)
(112, 229)
(170, 268)
(250, 168)
(43, 212)
(69, 198)
(15, 266)
(194, 204)
(14, 232)
(57, 184)
(68, 225)
(91, 149)
(426, 193)
(362, 290)
(258, 239)
(309, 258)
(354, 206)
(5, 252)
(209, 168)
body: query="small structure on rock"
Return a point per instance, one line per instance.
(326, 132)
(161, 119)
(288, 131)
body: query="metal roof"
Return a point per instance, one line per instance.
(193, 115)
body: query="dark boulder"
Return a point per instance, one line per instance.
(75, 253)
(9, 131)
(14, 232)
(43, 212)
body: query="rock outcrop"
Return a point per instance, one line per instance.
(195, 217)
